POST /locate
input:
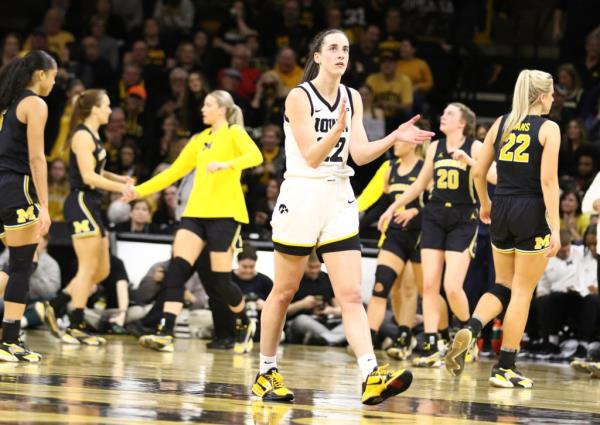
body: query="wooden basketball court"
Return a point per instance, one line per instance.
(123, 383)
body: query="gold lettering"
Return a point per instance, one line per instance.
(542, 242)
(82, 226)
(25, 215)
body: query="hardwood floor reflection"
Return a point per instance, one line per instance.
(125, 384)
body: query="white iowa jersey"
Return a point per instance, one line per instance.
(324, 116)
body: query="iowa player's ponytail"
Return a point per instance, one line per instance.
(233, 112)
(528, 88)
(82, 108)
(19, 73)
(311, 69)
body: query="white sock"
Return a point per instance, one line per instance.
(267, 363)
(367, 364)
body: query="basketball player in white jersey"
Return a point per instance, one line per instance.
(316, 209)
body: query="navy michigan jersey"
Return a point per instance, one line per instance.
(99, 153)
(398, 184)
(14, 152)
(519, 158)
(453, 182)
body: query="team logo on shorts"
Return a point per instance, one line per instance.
(283, 209)
(25, 215)
(542, 242)
(82, 226)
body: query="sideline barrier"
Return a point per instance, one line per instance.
(140, 251)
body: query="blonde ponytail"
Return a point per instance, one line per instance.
(235, 115)
(233, 112)
(530, 84)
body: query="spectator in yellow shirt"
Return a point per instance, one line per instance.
(57, 37)
(286, 67)
(416, 69)
(393, 91)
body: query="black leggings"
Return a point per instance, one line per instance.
(223, 317)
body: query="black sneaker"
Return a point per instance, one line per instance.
(18, 352)
(429, 356)
(243, 337)
(509, 378)
(220, 344)
(137, 329)
(402, 347)
(548, 351)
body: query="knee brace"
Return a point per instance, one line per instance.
(178, 272)
(228, 291)
(20, 267)
(502, 293)
(384, 280)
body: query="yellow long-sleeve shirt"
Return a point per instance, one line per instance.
(218, 194)
(374, 189)
(418, 71)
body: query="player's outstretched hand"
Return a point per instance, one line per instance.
(410, 133)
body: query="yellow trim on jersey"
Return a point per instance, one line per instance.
(381, 240)
(399, 187)
(22, 226)
(452, 163)
(373, 191)
(532, 252)
(234, 245)
(473, 243)
(89, 217)
(320, 244)
(504, 251)
(471, 185)
(294, 244)
(26, 190)
(218, 194)
(519, 251)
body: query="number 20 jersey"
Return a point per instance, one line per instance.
(324, 116)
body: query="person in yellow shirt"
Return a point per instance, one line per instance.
(571, 217)
(393, 91)
(414, 68)
(286, 67)
(57, 37)
(211, 219)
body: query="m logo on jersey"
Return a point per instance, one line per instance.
(82, 226)
(25, 215)
(542, 242)
(283, 209)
